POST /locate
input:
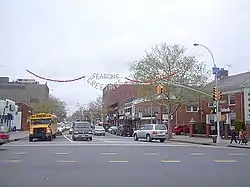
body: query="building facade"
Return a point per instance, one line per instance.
(234, 107)
(26, 91)
(9, 114)
(114, 98)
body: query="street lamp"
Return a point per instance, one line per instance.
(215, 72)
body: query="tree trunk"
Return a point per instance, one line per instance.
(170, 134)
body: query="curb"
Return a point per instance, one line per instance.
(199, 143)
(211, 144)
(16, 139)
(240, 147)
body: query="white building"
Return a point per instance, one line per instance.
(9, 115)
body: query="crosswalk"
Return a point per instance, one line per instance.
(66, 140)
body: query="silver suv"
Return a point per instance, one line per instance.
(82, 130)
(151, 132)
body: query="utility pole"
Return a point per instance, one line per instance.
(216, 72)
(151, 111)
(160, 91)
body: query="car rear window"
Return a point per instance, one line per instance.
(82, 125)
(160, 127)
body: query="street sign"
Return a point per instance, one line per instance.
(216, 71)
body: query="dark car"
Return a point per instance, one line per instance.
(125, 130)
(112, 129)
(82, 130)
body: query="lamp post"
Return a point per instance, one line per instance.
(215, 72)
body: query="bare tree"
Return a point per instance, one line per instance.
(95, 109)
(51, 105)
(92, 112)
(163, 60)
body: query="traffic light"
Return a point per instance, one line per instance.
(160, 89)
(220, 95)
(215, 94)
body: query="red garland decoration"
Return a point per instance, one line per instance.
(153, 80)
(79, 78)
(54, 80)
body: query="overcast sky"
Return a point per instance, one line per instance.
(64, 39)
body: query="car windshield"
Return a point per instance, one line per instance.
(160, 127)
(41, 121)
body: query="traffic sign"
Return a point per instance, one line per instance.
(216, 71)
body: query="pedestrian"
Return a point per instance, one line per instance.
(233, 137)
(244, 138)
(240, 136)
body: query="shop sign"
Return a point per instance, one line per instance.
(226, 110)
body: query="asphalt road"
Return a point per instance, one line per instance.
(114, 161)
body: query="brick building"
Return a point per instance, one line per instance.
(234, 107)
(26, 111)
(114, 98)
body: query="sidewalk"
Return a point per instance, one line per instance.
(207, 141)
(18, 135)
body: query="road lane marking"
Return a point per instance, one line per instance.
(67, 138)
(11, 161)
(118, 161)
(65, 161)
(224, 161)
(170, 161)
(150, 153)
(109, 153)
(237, 154)
(19, 153)
(37, 144)
(61, 153)
(196, 154)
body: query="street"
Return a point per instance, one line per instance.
(120, 161)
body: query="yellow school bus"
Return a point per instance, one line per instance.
(42, 126)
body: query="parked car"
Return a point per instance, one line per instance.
(59, 131)
(180, 129)
(106, 126)
(112, 129)
(82, 130)
(4, 135)
(151, 132)
(99, 130)
(70, 130)
(125, 130)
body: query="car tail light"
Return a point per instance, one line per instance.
(154, 132)
(4, 136)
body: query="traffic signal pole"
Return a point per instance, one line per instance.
(215, 72)
(217, 110)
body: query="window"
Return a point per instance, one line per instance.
(124, 94)
(231, 99)
(191, 108)
(160, 127)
